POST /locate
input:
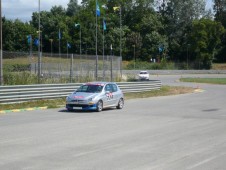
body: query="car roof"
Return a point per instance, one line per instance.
(98, 83)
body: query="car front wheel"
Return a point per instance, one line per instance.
(120, 104)
(99, 106)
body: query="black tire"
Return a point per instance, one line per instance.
(99, 106)
(120, 104)
(69, 110)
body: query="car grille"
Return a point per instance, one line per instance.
(79, 101)
(77, 105)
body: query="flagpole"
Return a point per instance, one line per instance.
(120, 32)
(39, 45)
(31, 46)
(80, 37)
(121, 39)
(1, 62)
(51, 46)
(103, 52)
(96, 72)
(59, 36)
(111, 64)
(67, 49)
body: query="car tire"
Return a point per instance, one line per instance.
(120, 104)
(69, 110)
(99, 106)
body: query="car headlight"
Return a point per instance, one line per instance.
(68, 99)
(90, 101)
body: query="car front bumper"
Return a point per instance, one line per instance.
(81, 107)
(144, 78)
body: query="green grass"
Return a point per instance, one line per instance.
(205, 80)
(144, 65)
(56, 103)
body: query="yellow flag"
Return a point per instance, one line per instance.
(116, 8)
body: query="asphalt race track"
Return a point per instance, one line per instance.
(181, 132)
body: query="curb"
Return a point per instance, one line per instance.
(20, 110)
(199, 90)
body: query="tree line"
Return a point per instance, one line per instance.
(171, 30)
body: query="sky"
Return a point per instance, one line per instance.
(23, 9)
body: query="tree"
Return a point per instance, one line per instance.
(73, 8)
(50, 23)
(177, 18)
(15, 35)
(205, 39)
(152, 32)
(134, 40)
(165, 29)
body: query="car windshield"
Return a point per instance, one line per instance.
(144, 72)
(90, 88)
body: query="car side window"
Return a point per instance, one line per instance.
(108, 88)
(114, 87)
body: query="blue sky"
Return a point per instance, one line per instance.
(22, 9)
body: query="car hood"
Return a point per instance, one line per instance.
(82, 95)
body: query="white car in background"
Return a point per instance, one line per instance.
(143, 75)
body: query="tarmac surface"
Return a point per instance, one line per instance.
(180, 132)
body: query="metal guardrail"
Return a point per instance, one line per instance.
(23, 93)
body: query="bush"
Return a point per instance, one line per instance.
(16, 67)
(141, 65)
(19, 78)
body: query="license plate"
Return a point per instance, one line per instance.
(77, 108)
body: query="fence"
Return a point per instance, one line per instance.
(22, 93)
(62, 68)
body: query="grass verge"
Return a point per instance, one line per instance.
(164, 91)
(205, 80)
(56, 103)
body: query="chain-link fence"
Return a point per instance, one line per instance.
(59, 68)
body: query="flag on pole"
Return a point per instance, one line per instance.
(161, 48)
(36, 41)
(97, 9)
(104, 25)
(59, 35)
(116, 8)
(77, 25)
(29, 39)
(68, 45)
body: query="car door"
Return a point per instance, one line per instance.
(115, 94)
(109, 94)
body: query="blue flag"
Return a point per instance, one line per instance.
(97, 9)
(29, 38)
(36, 41)
(59, 35)
(161, 48)
(68, 45)
(104, 25)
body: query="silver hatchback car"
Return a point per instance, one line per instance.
(95, 96)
